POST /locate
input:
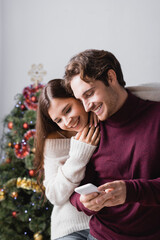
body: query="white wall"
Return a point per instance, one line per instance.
(52, 31)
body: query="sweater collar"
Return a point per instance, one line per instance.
(126, 112)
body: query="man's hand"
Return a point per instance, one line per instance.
(90, 201)
(112, 194)
(95, 201)
(117, 191)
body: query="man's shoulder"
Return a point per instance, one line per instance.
(153, 110)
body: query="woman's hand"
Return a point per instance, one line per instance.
(93, 119)
(90, 135)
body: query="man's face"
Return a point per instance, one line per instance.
(96, 96)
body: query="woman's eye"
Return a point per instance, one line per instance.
(59, 121)
(68, 110)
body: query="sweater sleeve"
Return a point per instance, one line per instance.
(143, 191)
(90, 177)
(64, 166)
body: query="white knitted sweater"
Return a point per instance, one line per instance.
(64, 165)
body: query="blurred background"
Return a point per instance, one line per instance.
(50, 32)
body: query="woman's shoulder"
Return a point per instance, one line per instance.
(54, 135)
(56, 144)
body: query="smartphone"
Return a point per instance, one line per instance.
(86, 189)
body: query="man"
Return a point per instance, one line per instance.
(126, 166)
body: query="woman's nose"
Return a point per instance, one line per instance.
(67, 122)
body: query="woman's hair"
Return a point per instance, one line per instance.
(93, 64)
(44, 124)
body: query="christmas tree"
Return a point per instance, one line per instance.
(23, 212)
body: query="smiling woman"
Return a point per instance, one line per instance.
(64, 144)
(69, 115)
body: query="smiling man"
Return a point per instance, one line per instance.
(103, 100)
(126, 166)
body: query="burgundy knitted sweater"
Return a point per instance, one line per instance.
(129, 150)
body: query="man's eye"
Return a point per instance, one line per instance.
(89, 94)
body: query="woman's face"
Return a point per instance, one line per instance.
(68, 114)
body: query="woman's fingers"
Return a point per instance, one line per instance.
(89, 135)
(93, 120)
(82, 135)
(95, 136)
(77, 136)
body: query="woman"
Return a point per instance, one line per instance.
(64, 145)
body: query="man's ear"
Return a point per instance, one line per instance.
(112, 77)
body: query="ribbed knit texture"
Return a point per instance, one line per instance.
(64, 164)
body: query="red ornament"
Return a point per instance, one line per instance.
(14, 214)
(31, 173)
(22, 107)
(31, 100)
(29, 134)
(25, 125)
(22, 151)
(34, 99)
(17, 146)
(10, 125)
(24, 146)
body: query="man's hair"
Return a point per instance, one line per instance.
(92, 65)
